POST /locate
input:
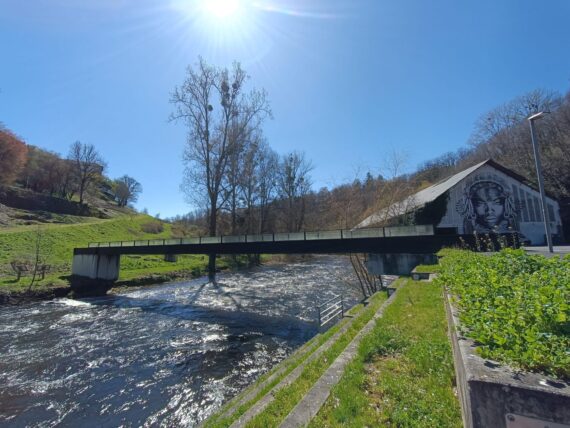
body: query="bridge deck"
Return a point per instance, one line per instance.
(405, 239)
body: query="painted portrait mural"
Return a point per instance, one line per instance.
(487, 207)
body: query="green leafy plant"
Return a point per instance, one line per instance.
(515, 306)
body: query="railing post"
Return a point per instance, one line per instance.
(383, 232)
(304, 235)
(245, 238)
(221, 239)
(273, 237)
(148, 243)
(180, 241)
(164, 242)
(341, 234)
(199, 239)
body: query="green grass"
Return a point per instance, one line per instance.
(58, 241)
(403, 373)
(290, 364)
(515, 306)
(58, 220)
(287, 397)
(427, 268)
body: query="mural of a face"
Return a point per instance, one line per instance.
(489, 205)
(487, 208)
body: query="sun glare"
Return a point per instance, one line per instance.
(221, 9)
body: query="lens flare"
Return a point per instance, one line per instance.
(221, 9)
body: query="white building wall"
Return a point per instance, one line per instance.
(489, 200)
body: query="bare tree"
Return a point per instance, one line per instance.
(257, 184)
(88, 166)
(369, 284)
(213, 104)
(127, 190)
(294, 183)
(393, 196)
(266, 189)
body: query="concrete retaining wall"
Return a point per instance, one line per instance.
(493, 395)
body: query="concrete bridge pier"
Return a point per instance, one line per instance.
(397, 264)
(94, 274)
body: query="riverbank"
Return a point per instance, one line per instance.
(399, 371)
(52, 288)
(140, 271)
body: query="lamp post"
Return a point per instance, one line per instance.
(531, 120)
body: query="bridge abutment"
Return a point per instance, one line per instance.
(94, 274)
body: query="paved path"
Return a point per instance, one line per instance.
(559, 250)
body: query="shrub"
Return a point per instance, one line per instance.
(152, 227)
(515, 306)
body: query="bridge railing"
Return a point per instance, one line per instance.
(380, 232)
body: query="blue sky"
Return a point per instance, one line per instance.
(349, 81)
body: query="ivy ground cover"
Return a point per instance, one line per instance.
(515, 306)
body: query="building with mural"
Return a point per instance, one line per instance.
(486, 198)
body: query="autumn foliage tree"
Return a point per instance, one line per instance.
(12, 156)
(47, 172)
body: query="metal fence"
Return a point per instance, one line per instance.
(380, 232)
(330, 310)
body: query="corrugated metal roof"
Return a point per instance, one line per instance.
(418, 200)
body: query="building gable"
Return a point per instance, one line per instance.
(485, 198)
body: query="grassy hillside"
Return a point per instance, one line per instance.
(58, 240)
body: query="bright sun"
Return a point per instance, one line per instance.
(221, 9)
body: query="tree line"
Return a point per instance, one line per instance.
(231, 173)
(76, 176)
(240, 185)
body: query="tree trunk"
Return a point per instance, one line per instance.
(212, 267)
(212, 257)
(81, 189)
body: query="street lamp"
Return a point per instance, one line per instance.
(531, 120)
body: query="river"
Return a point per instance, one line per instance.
(163, 355)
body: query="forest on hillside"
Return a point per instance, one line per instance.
(280, 198)
(78, 178)
(262, 191)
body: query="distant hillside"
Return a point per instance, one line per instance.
(40, 186)
(56, 243)
(20, 206)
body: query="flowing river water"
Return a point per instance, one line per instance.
(164, 355)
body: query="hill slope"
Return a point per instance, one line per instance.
(56, 243)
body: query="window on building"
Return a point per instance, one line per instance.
(531, 211)
(551, 213)
(538, 209)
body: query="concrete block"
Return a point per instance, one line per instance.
(494, 395)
